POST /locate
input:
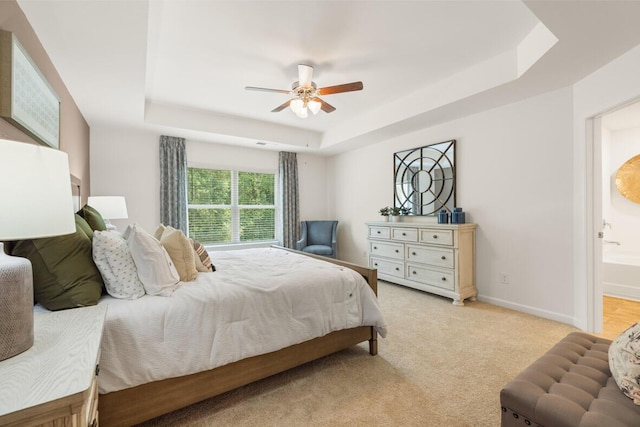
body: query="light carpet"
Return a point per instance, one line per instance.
(440, 365)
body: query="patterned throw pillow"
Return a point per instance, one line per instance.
(204, 265)
(113, 258)
(624, 362)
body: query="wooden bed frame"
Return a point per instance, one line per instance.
(144, 402)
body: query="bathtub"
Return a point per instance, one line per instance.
(621, 274)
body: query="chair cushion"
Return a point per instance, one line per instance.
(318, 249)
(319, 233)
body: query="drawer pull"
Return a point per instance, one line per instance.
(97, 370)
(375, 263)
(378, 231)
(375, 247)
(397, 268)
(413, 253)
(435, 236)
(443, 257)
(444, 279)
(415, 272)
(404, 234)
(397, 251)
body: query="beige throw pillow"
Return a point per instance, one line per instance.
(181, 253)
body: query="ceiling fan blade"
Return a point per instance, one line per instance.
(327, 108)
(282, 106)
(264, 89)
(305, 75)
(347, 87)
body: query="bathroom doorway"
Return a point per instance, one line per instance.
(620, 261)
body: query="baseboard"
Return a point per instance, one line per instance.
(558, 317)
(621, 291)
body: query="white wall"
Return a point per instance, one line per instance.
(514, 179)
(125, 162)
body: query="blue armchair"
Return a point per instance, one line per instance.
(319, 237)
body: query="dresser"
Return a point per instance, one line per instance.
(54, 383)
(436, 258)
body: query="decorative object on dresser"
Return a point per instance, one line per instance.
(35, 188)
(425, 178)
(55, 383)
(436, 258)
(110, 207)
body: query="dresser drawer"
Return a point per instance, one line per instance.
(432, 256)
(440, 278)
(436, 237)
(385, 266)
(404, 234)
(387, 249)
(379, 232)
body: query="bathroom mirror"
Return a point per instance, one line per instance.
(425, 178)
(628, 179)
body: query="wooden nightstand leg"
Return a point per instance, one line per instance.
(373, 342)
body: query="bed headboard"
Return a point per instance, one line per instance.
(75, 193)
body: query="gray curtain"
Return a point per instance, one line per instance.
(173, 182)
(289, 203)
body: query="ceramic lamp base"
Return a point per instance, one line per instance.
(16, 305)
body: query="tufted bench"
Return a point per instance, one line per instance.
(569, 386)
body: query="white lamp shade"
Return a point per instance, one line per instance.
(110, 207)
(314, 106)
(35, 190)
(296, 105)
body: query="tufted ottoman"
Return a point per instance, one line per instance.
(569, 386)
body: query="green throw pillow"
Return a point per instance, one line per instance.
(93, 218)
(64, 275)
(82, 224)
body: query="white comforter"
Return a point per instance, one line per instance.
(258, 301)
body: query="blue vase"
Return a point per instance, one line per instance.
(443, 217)
(457, 216)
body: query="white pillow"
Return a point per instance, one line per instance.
(112, 257)
(155, 268)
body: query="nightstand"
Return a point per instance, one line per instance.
(55, 381)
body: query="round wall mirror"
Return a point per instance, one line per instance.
(425, 178)
(628, 179)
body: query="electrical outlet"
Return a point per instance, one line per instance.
(504, 278)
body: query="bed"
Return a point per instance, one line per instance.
(133, 394)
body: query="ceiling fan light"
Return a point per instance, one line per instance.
(314, 106)
(303, 113)
(296, 105)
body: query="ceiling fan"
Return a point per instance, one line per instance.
(306, 93)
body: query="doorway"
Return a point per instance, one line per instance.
(617, 252)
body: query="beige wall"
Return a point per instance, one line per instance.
(74, 130)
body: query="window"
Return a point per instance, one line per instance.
(231, 206)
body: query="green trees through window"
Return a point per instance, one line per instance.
(231, 206)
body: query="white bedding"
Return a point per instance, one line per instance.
(258, 301)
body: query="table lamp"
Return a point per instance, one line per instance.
(35, 189)
(110, 207)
